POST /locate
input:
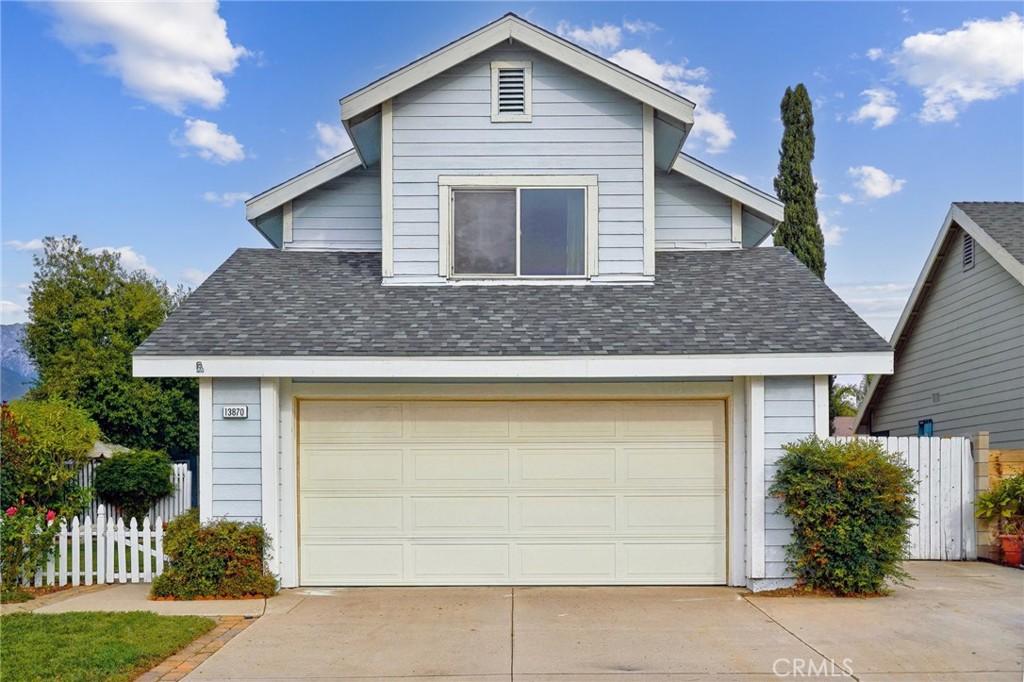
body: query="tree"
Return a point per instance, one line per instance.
(795, 186)
(845, 400)
(87, 314)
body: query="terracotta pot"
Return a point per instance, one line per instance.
(1012, 545)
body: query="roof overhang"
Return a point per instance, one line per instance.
(562, 368)
(955, 216)
(511, 28)
(275, 197)
(763, 206)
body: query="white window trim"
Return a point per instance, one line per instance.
(446, 243)
(527, 115)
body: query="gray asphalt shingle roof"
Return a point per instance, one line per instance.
(289, 303)
(1001, 220)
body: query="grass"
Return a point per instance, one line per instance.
(91, 647)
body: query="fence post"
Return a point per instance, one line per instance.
(101, 555)
(62, 565)
(122, 563)
(147, 553)
(88, 541)
(76, 562)
(110, 549)
(159, 531)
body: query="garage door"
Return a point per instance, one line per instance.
(507, 492)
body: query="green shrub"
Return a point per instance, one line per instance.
(216, 559)
(42, 447)
(134, 480)
(850, 504)
(1004, 503)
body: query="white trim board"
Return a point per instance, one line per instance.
(511, 27)
(270, 466)
(544, 367)
(205, 449)
(939, 249)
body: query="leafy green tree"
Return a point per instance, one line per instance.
(845, 399)
(800, 231)
(87, 314)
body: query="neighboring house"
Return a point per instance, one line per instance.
(960, 341)
(513, 337)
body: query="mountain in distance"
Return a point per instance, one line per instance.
(18, 372)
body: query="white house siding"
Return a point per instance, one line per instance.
(689, 215)
(343, 214)
(788, 417)
(236, 451)
(963, 364)
(579, 126)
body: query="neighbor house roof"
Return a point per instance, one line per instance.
(264, 302)
(996, 226)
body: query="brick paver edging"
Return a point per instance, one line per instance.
(175, 667)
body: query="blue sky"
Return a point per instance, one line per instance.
(142, 127)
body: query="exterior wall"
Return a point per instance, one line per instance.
(236, 464)
(689, 215)
(579, 126)
(963, 364)
(788, 416)
(342, 215)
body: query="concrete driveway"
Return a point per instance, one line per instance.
(957, 622)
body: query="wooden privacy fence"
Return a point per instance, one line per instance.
(166, 508)
(944, 470)
(108, 552)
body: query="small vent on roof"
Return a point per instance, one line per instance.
(511, 99)
(968, 251)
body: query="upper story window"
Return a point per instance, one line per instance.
(511, 92)
(531, 227)
(968, 252)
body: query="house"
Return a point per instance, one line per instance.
(960, 340)
(514, 336)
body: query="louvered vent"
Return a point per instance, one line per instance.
(511, 98)
(512, 91)
(968, 252)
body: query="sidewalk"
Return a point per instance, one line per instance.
(135, 597)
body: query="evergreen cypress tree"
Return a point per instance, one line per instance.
(795, 186)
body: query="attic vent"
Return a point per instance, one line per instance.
(968, 252)
(511, 96)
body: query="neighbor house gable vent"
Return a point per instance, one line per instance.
(968, 252)
(511, 92)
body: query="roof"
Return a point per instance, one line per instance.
(1003, 221)
(512, 27)
(997, 226)
(265, 302)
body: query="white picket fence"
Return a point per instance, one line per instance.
(165, 508)
(944, 470)
(108, 552)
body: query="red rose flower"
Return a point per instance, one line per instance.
(11, 511)
(50, 515)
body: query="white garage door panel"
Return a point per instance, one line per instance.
(504, 492)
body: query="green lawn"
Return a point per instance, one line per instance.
(90, 647)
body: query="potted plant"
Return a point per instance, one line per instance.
(1005, 503)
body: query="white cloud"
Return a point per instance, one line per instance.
(880, 108)
(875, 183)
(170, 54)
(833, 234)
(10, 308)
(977, 62)
(130, 258)
(845, 198)
(30, 245)
(226, 199)
(331, 140)
(645, 28)
(193, 277)
(710, 126)
(597, 38)
(880, 303)
(875, 53)
(209, 142)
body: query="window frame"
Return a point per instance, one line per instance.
(447, 185)
(527, 115)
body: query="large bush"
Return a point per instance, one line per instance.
(1004, 503)
(850, 504)
(42, 447)
(134, 480)
(216, 559)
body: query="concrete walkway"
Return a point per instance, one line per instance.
(135, 597)
(958, 621)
